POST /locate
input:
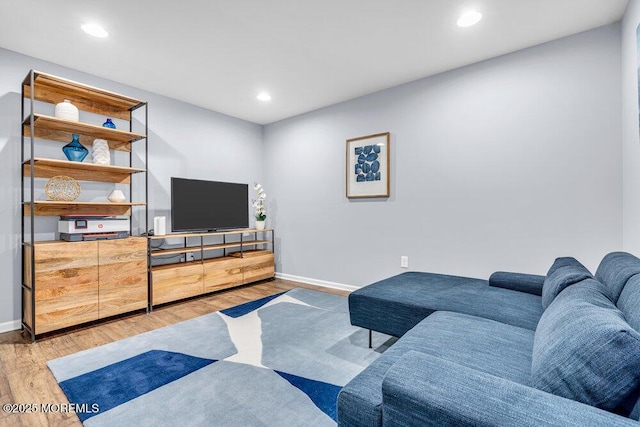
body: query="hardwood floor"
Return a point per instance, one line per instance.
(26, 380)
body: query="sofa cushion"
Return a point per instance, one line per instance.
(564, 272)
(529, 283)
(629, 302)
(397, 304)
(445, 394)
(614, 271)
(486, 345)
(584, 349)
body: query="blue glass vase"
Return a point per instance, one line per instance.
(109, 124)
(75, 151)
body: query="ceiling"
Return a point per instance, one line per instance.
(219, 54)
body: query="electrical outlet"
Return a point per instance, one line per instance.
(190, 256)
(404, 262)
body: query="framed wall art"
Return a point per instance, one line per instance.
(368, 166)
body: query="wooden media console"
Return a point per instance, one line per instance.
(221, 260)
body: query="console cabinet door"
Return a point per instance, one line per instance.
(66, 284)
(258, 265)
(222, 273)
(122, 270)
(171, 283)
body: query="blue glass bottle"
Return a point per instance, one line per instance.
(75, 151)
(109, 124)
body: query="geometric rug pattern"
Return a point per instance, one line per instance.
(279, 360)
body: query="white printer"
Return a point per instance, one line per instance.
(79, 228)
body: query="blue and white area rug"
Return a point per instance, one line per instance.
(277, 361)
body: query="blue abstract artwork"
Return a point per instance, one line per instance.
(367, 164)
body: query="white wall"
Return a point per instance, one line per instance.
(504, 164)
(184, 140)
(630, 130)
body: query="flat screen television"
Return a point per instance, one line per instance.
(198, 205)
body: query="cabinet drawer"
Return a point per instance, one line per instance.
(258, 265)
(176, 282)
(222, 273)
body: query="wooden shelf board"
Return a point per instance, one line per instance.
(251, 253)
(57, 242)
(48, 168)
(204, 234)
(55, 129)
(66, 164)
(58, 208)
(217, 246)
(62, 202)
(53, 89)
(176, 251)
(234, 244)
(256, 242)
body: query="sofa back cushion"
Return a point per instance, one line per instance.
(564, 272)
(585, 350)
(614, 271)
(629, 302)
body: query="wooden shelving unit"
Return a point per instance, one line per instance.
(68, 283)
(211, 272)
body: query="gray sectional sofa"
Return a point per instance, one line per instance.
(561, 349)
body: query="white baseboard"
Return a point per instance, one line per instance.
(12, 325)
(316, 282)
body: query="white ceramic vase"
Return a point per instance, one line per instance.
(117, 196)
(260, 225)
(66, 110)
(100, 152)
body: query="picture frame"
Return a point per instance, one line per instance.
(367, 171)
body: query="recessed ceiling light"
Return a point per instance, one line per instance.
(264, 97)
(95, 30)
(469, 18)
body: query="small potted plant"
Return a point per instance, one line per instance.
(259, 205)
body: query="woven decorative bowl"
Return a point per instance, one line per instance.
(62, 188)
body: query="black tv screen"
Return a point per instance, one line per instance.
(198, 205)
